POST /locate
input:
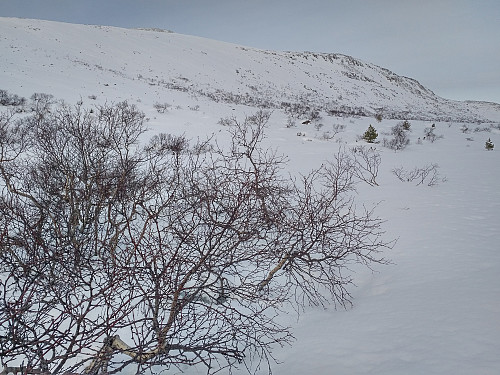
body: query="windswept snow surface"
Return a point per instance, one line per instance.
(436, 309)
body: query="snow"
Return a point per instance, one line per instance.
(436, 308)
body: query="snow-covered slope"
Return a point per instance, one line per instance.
(124, 64)
(436, 309)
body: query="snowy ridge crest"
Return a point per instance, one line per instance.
(130, 61)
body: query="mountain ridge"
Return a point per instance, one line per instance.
(335, 83)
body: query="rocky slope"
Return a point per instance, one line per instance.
(127, 63)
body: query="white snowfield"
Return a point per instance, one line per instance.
(436, 308)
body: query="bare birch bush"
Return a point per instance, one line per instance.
(426, 175)
(366, 164)
(117, 254)
(400, 138)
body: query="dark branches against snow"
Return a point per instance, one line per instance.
(115, 254)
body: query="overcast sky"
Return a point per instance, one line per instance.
(450, 46)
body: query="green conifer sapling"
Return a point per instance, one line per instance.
(489, 145)
(370, 135)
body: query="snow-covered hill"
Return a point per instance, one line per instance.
(124, 64)
(436, 309)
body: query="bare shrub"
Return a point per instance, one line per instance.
(297, 110)
(482, 129)
(290, 122)
(114, 254)
(226, 121)
(41, 102)
(366, 164)
(334, 130)
(162, 107)
(430, 135)
(8, 99)
(426, 175)
(400, 137)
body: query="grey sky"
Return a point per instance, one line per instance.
(450, 46)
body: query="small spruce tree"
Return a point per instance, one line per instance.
(489, 145)
(370, 134)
